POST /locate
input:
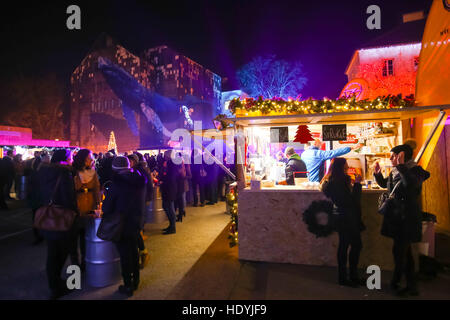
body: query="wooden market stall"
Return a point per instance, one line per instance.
(271, 228)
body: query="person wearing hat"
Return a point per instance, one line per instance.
(403, 222)
(126, 197)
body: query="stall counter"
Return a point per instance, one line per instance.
(271, 229)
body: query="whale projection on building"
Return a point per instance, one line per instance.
(161, 115)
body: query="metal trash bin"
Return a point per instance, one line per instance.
(102, 258)
(155, 212)
(426, 246)
(21, 189)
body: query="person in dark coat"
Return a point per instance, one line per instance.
(105, 171)
(58, 242)
(169, 190)
(3, 179)
(403, 222)
(33, 192)
(337, 186)
(294, 164)
(212, 176)
(198, 177)
(183, 176)
(126, 196)
(140, 165)
(10, 173)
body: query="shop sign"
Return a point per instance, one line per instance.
(335, 132)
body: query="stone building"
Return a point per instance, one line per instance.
(95, 110)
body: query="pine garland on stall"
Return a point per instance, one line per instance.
(310, 106)
(233, 205)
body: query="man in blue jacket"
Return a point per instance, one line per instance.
(314, 159)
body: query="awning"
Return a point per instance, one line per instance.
(339, 117)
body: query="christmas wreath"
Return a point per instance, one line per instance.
(320, 218)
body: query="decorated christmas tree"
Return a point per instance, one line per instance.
(112, 142)
(303, 134)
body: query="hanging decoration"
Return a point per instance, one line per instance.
(320, 218)
(233, 205)
(250, 107)
(303, 134)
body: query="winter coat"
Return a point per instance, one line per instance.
(9, 168)
(87, 187)
(126, 197)
(294, 164)
(347, 199)
(407, 224)
(168, 179)
(143, 169)
(64, 196)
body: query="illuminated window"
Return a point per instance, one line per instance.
(416, 63)
(388, 67)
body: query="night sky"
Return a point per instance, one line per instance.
(220, 35)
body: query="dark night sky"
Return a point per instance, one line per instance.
(221, 35)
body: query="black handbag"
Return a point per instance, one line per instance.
(111, 227)
(387, 202)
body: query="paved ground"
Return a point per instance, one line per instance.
(195, 263)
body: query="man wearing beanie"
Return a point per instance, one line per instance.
(126, 198)
(403, 220)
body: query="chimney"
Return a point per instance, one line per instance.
(413, 16)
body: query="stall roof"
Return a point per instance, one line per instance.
(339, 117)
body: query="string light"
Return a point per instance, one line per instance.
(250, 106)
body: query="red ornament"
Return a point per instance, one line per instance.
(303, 134)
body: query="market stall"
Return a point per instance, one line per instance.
(271, 226)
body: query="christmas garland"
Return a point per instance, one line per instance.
(310, 217)
(233, 232)
(278, 106)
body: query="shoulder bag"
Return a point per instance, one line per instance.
(386, 201)
(54, 217)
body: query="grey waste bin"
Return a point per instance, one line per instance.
(155, 213)
(102, 258)
(21, 189)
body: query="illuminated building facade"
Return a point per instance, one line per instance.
(95, 109)
(177, 76)
(90, 95)
(389, 63)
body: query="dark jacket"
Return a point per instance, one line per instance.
(294, 164)
(168, 178)
(126, 196)
(348, 203)
(407, 224)
(143, 169)
(64, 195)
(8, 167)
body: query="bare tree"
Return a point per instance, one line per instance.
(269, 77)
(34, 103)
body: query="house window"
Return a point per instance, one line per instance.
(416, 63)
(388, 67)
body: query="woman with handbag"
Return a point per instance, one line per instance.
(346, 196)
(402, 213)
(123, 208)
(87, 188)
(56, 215)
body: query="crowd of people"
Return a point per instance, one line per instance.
(125, 185)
